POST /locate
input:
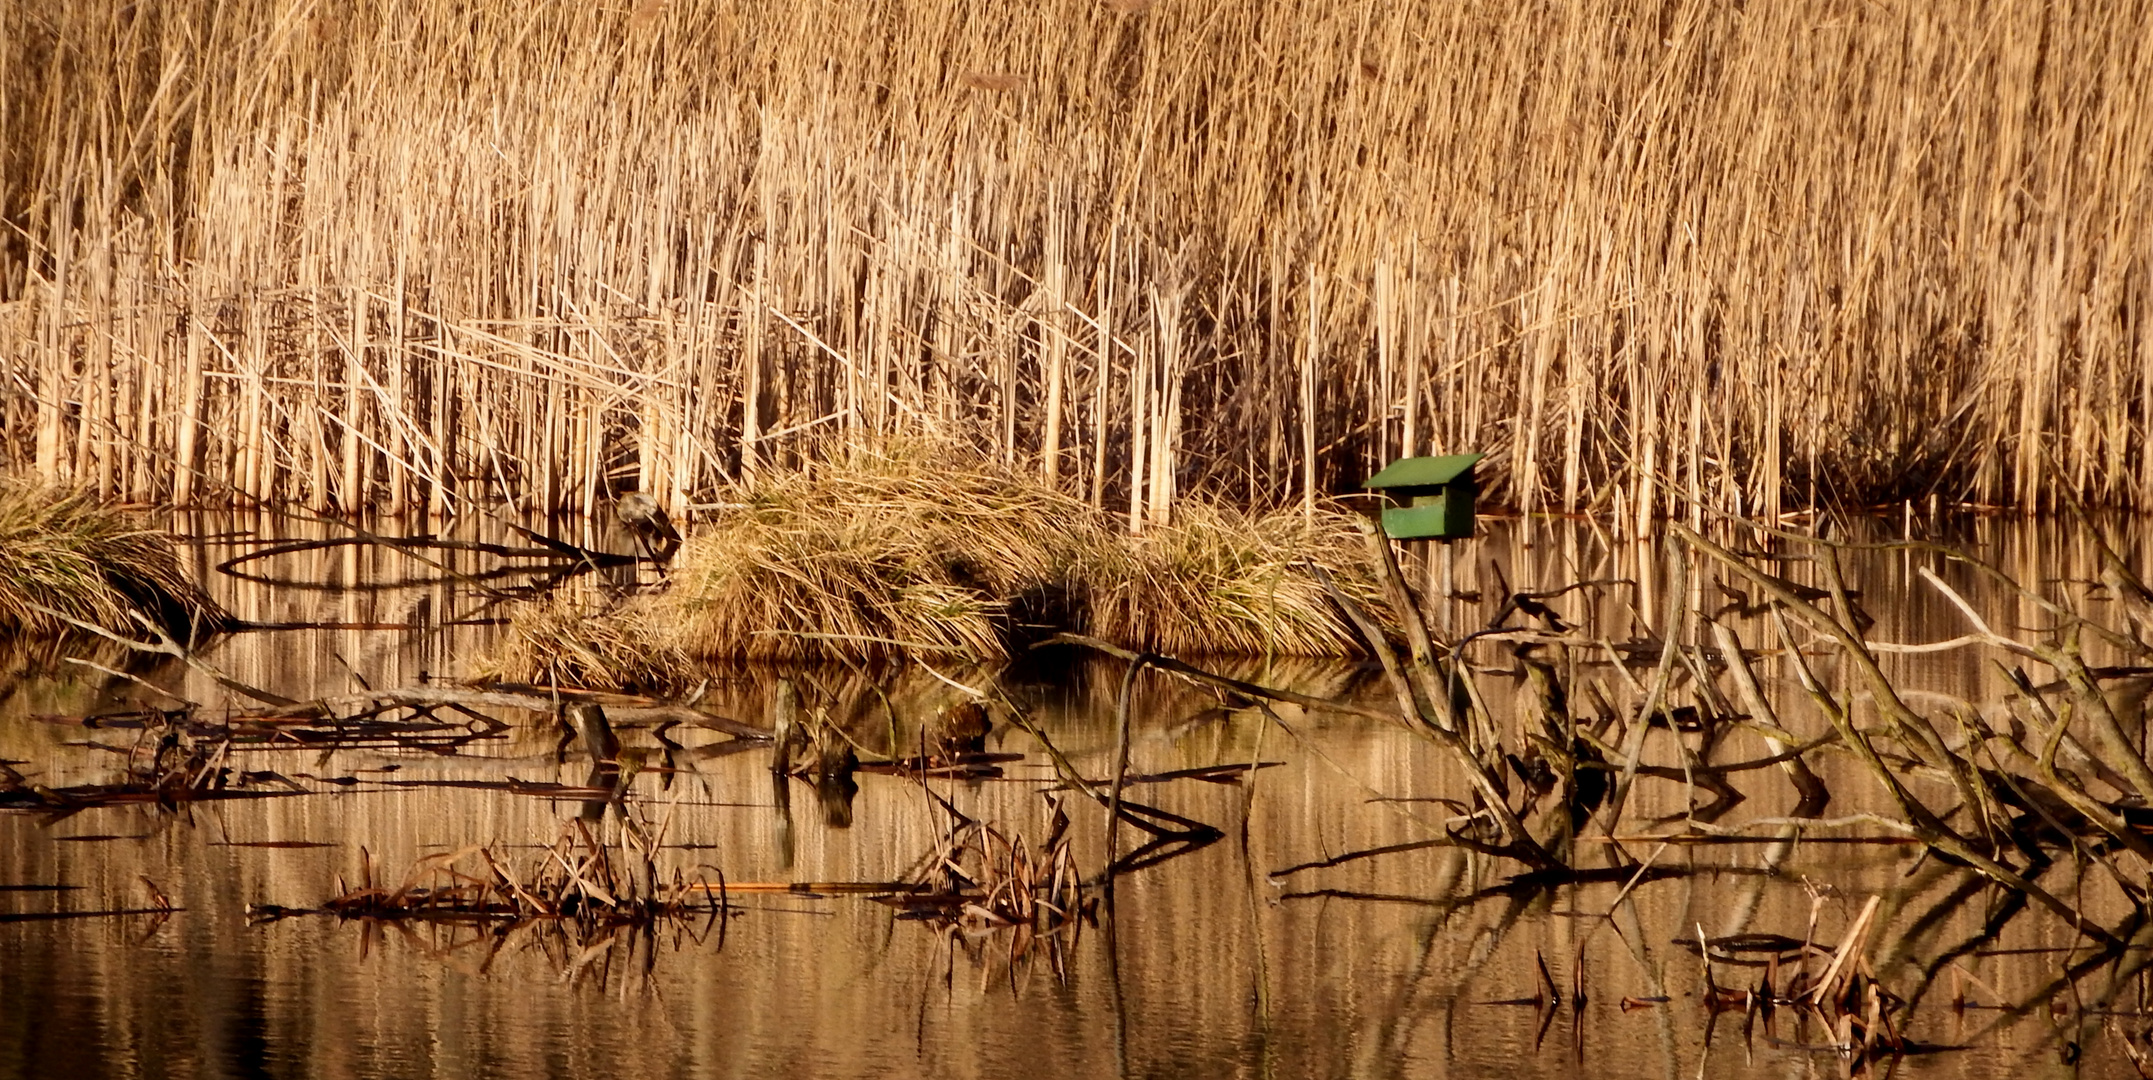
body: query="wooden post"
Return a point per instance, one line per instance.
(1449, 586)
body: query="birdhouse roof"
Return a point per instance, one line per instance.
(1424, 471)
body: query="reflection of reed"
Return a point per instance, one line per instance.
(1382, 963)
(1187, 939)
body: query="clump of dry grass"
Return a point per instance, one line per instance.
(888, 553)
(983, 879)
(878, 550)
(1220, 581)
(569, 639)
(581, 884)
(64, 556)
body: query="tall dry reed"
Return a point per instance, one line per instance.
(415, 253)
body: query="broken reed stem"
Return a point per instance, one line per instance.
(1909, 728)
(1435, 699)
(1676, 613)
(1851, 946)
(1812, 790)
(1121, 764)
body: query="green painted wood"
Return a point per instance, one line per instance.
(1423, 472)
(1437, 519)
(1440, 491)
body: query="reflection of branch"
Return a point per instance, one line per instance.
(136, 679)
(556, 551)
(420, 697)
(1245, 689)
(1518, 844)
(1910, 726)
(1148, 819)
(165, 646)
(1941, 550)
(2123, 757)
(1535, 883)
(1366, 853)
(1161, 849)
(2010, 908)
(1911, 729)
(2109, 953)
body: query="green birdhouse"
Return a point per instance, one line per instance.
(1438, 493)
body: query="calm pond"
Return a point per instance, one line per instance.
(1262, 952)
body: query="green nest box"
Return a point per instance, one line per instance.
(1438, 492)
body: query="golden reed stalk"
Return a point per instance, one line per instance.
(1651, 256)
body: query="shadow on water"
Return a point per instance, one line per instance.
(972, 868)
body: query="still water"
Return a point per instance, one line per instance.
(1243, 957)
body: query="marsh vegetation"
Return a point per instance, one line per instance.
(67, 561)
(700, 528)
(885, 554)
(420, 255)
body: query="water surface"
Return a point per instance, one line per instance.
(1223, 961)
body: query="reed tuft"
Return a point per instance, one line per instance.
(574, 641)
(64, 554)
(1217, 581)
(882, 554)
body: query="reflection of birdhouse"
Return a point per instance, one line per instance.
(1438, 493)
(959, 730)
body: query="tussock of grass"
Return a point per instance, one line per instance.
(875, 547)
(63, 552)
(884, 554)
(568, 640)
(1222, 582)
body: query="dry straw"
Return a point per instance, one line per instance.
(416, 253)
(882, 554)
(64, 557)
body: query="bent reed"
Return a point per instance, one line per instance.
(877, 555)
(413, 253)
(65, 557)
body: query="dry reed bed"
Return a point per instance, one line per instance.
(878, 555)
(65, 557)
(413, 254)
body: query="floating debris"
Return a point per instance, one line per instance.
(575, 879)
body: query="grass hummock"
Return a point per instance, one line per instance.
(895, 552)
(65, 556)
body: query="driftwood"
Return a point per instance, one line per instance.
(2017, 812)
(620, 709)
